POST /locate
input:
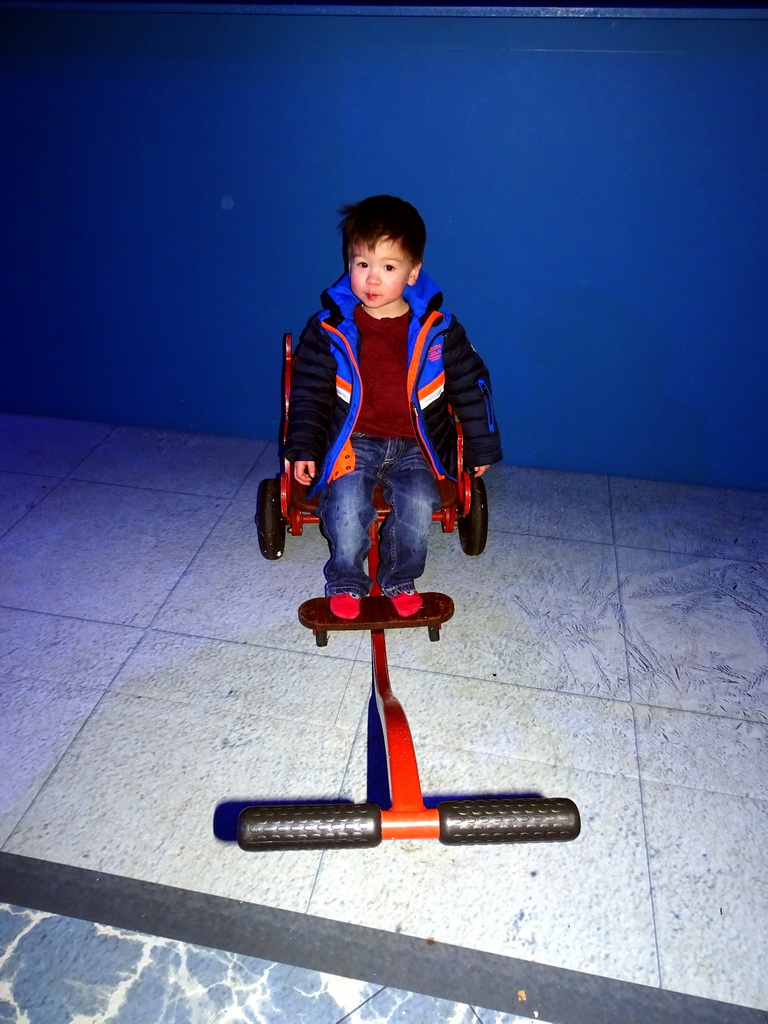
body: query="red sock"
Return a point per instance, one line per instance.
(345, 606)
(406, 604)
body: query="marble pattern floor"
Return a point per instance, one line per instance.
(56, 969)
(611, 645)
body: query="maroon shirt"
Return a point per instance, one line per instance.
(386, 410)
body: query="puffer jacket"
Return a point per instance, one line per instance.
(446, 377)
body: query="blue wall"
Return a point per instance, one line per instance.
(594, 190)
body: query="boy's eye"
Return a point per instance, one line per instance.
(389, 267)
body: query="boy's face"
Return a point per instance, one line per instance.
(378, 277)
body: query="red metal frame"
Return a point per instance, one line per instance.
(407, 818)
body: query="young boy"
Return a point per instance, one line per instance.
(375, 377)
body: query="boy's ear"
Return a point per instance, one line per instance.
(414, 274)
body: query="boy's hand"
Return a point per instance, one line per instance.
(304, 472)
(479, 470)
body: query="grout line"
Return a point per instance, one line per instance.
(623, 630)
(151, 490)
(565, 539)
(620, 597)
(110, 431)
(651, 891)
(323, 853)
(346, 691)
(253, 467)
(69, 617)
(507, 684)
(503, 759)
(365, 1002)
(611, 515)
(226, 507)
(59, 480)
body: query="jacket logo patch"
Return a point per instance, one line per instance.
(435, 352)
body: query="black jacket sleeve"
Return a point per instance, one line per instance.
(312, 396)
(468, 390)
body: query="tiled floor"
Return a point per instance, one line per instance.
(611, 646)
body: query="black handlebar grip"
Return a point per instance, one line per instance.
(521, 820)
(308, 826)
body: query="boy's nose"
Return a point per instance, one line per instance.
(373, 276)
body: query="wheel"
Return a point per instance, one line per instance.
(473, 527)
(434, 633)
(269, 519)
(309, 826)
(522, 820)
(321, 638)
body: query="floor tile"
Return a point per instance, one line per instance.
(720, 755)
(53, 672)
(169, 460)
(232, 593)
(710, 892)
(54, 649)
(529, 610)
(48, 447)
(267, 465)
(19, 494)
(582, 905)
(59, 969)
(253, 682)
(103, 552)
(696, 632)
(545, 503)
(39, 724)
(690, 520)
(509, 721)
(138, 792)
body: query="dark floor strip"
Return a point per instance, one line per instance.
(380, 957)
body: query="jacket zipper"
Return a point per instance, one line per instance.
(486, 393)
(422, 442)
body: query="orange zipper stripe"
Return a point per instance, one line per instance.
(345, 460)
(413, 369)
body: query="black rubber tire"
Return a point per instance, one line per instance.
(270, 524)
(309, 826)
(523, 820)
(473, 527)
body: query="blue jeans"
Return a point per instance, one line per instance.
(346, 511)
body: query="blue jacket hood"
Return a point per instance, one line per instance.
(422, 297)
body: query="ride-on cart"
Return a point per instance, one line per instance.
(283, 506)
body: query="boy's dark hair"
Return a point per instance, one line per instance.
(367, 222)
